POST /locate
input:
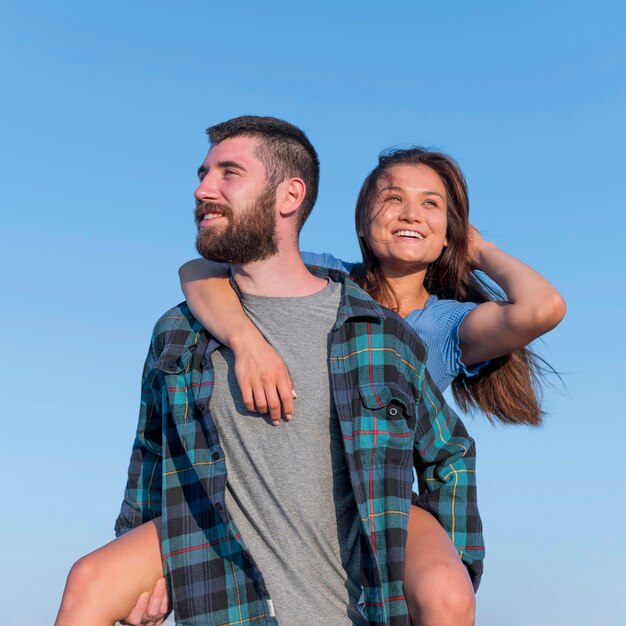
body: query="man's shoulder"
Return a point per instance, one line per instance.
(403, 336)
(392, 330)
(178, 316)
(175, 326)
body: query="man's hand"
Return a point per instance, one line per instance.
(151, 608)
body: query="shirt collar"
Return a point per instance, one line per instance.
(355, 302)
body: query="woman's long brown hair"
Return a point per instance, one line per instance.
(508, 388)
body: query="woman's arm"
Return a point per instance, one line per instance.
(262, 375)
(324, 259)
(533, 305)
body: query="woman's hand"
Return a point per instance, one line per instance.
(262, 376)
(532, 306)
(475, 245)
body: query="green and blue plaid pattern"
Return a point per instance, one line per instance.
(391, 416)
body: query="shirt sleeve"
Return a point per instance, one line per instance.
(452, 317)
(445, 461)
(324, 259)
(142, 497)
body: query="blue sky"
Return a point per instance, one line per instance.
(103, 115)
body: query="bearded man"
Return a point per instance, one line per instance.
(305, 524)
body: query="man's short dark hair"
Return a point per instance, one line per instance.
(284, 150)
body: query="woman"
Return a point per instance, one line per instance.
(418, 255)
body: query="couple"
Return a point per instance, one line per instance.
(314, 522)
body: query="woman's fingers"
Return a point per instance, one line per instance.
(260, 402)
(286, 395)
(247, 396)
(273, 404)
(264, 381)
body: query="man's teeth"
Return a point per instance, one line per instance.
(210, 216)
(409, 233)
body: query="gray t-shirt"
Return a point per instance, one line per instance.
(288, 488)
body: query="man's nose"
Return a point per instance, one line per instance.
(207, 190)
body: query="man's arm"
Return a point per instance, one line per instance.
(142, 497)
(444, 458)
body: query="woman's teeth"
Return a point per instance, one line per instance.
(409, 233)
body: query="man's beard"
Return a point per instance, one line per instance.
(247, 238)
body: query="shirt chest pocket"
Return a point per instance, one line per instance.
(385, 417)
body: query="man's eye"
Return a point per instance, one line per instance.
(229, 172)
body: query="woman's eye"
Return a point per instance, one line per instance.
(394, 199)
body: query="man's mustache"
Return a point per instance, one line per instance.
(211, 207)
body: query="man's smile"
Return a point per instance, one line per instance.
(208, 214)
(208, 218)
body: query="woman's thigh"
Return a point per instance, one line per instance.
(119, 572)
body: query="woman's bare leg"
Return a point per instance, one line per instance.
(104, 586)
(437, 586)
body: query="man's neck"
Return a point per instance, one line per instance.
(283, 275)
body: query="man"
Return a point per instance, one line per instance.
(305, 524)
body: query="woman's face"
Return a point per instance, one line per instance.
(409, 218)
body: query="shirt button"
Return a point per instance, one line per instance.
(203, 363)
(393, 411)
(216, 456)
(218, 506)
(201, 406)
(171, 363)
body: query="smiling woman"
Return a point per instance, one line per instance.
(485, 340)
(402, 223)
(416, 197)
(419, 252)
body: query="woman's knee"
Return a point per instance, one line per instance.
(443, 596)
(86, 582)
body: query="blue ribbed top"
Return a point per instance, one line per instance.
(437, 325)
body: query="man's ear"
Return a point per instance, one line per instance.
(289, 196)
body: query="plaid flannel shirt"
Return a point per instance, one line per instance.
(391, 416)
